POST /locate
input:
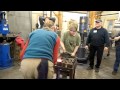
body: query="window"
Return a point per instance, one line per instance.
(110, 25)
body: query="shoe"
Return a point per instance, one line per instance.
(96, 69)
(114, 72)
(89, 68)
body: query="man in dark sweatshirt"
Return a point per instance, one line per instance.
(98, 41)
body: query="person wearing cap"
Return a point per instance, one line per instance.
(40, 53)
(98, 41)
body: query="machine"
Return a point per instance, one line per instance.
(83, 30)
(65, 66)
(5, 58)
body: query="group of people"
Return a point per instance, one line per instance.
(42, 49)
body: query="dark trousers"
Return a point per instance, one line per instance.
(93, 50)
(117, 61)
(43, 69)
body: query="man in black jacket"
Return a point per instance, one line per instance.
(98, 41)
(117, 61)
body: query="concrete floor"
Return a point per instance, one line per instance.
(105, 69)
(81, 72)
(12, 72)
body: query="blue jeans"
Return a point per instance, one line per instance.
(116, 64)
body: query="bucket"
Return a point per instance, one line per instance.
(5, 59)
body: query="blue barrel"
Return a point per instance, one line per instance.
(5, 59)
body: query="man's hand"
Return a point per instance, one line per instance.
(62, 46)
(64, 51)
(72, 54)
(86, 47)
(106, 49)
(117, 38)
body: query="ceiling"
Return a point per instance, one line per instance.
(82, 12)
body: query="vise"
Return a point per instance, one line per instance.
(4, 27)
(5, 59)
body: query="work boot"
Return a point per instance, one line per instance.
(114, 72)
(89, 68)
(96, 69)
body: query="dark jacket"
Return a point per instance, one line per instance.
(98, 37)
(117, 43)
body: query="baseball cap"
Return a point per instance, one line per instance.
(98, 21)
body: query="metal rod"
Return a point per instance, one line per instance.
(44, 13)
(76, 12)
(109, 14)
(119, 16)
(50, 13)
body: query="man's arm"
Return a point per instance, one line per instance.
(25, 46)
(23, 50)
(63, 46)
(56, 49)
(64, 37)
(75, 50)
(89, 38)
(107, 40)
(62, 42)
(78, 42)
(117, 37)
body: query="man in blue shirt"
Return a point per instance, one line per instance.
(41, 53)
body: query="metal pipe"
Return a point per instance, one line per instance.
(109, 14)
(50, 13)
(44, 13)
(88, 15)
(119, 16)
(76, 12)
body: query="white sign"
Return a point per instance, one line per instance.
(5, 29)
(5, 24)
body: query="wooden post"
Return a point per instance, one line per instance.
(59, 15)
